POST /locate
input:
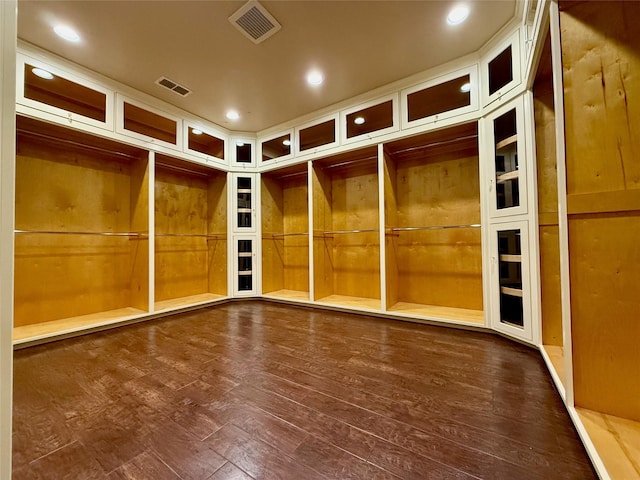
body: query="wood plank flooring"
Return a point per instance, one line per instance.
(256, 390)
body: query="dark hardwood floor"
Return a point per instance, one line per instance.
(264, 391)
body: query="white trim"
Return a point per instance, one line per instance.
(8, 34)
(563, 221)
(310, 215)
(152, 230)
(592, 451)
(512, 41)
(282, 158)
(381, 229)
(395, 127)
(321, 148)
(471, 71)
(539, 29)
(186, 124)
(234, 202)
(254, 266)
(69, 117)
(120, 101)
(233, 143)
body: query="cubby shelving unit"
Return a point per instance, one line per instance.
(285, 233)
(81, 231)
(432, 231)
(346, 235)
(190, 233)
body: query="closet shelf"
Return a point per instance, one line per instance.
(511, 258)
(507, 141)
(505, 177)
(514, 292)
(102, 234)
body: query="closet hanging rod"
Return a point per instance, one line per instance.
(289, 175)
(342, 232)
(77, 144)
(433, 227)
(350, 162)
(273, 235)
(434, 144)
(199, 235)
(103, 234)
(181, 169)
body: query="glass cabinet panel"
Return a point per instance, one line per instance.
(245, 265)
(244, 202)
(500, 70)
(439, 98)
(276, 147)
(506, 160)
(202, 142)
(317, 135)
(371, 119)
(510, 268)
(150, 124)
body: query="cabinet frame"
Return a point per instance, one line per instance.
(394, 98)
(255, 198)
(255, 268)
(186, 124)
(512, 41)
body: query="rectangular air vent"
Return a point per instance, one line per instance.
(255, 22)
(173, 86)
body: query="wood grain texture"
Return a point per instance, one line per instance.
(60, 187)
(600, 55)
(189, 204)
(435, 183)
(605, 268)
(285, 259)
(260, 390)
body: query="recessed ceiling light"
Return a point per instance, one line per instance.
(66, 32)
(40, 72)
(286, 143)
(233, 115)
(358, 120)
(239, 144)
(195, 131)
(315, 78)
(458, 15)
(465, 88)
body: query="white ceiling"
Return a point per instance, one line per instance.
(359, 45)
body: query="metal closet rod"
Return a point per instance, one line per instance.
(285, 234)
(103, 234)
(77, 144)
(199, 235)
(349, 162)
(435, 144)
(341, 232)
(432, 227)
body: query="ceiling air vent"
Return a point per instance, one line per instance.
(255, 22)
(173, 86)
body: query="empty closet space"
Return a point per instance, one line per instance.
(190, 233)
(285, 233)
(602, 118)
(548, 229)
(432, 225)
(346, 236)
(81, 231)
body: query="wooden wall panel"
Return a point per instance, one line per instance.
(181, 207)
(296, 220)
(601, 61)
(550, 285)
(322, 246)
(217, 225)
(391, 220)
(139, 247)
(63, 189)
(272, 212)
(605, 301)
(356, 265)
(439, 267)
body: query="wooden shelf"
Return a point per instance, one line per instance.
(556, 355)
(505, 177)
(514, 292)
(174, 303)
(507, 142)
(289, 294)
(349, 301)
(53, 328)
(436, 311)
(617, 441)
(511, 258)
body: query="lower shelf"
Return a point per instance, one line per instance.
(348, 301)
(66, 325)
(556, 355)
(289, 294)
(617, 441)
(437, 311)
(173, 303)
